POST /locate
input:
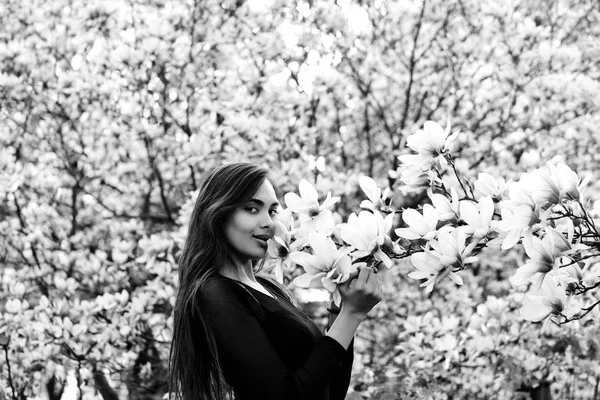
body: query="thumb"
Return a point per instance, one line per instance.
(345, 286)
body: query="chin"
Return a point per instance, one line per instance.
(257, 256)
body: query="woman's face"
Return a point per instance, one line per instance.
(250, 226)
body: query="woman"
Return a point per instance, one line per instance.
(234, 331)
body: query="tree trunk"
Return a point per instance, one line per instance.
(102, 386)
(55, 388)
(541, 392)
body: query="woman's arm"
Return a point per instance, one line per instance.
(339, 386)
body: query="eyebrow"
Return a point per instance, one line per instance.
(261, 203)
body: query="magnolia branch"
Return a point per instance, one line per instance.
(458, 177)
(10, 379)
(586, 311)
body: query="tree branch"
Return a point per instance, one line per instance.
(10, 379)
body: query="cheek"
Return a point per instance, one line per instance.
(239, 225)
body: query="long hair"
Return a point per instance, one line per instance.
(195, 372)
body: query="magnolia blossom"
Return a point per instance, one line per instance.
(448, 253)
(540, 262)
(280, 245)
(478, 216)
(488, 186)
(570, 274)
(373, 192)
(414, 178)
(326, 267)
(550, 186)
(446, 209)
(519, 215)
(452, 248)
(550, 300)
(314, 217)
(431, 144)
(15, 306)
(367, 233)
(544, 256)
(419, 226)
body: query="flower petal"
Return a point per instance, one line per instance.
(321, 244)
(310, 263)
(308, 192)
(370, 188)
(354, 237)
(309, 280)
(296, 203)
(407, 233)
(535, 312)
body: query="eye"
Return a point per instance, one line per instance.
(273, 212)
(252, 209)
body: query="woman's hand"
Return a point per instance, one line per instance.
(361, 294)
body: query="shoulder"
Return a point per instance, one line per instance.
(222, 297)
(216, 288)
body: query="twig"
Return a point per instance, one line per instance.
(462, 186)
(10, 380)
(586, 310)
(79, 380)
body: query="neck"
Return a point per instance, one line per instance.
(241, 271)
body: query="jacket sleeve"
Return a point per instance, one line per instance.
(341, 382)
(249, 362)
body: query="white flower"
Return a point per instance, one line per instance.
(550, 300)
(540, 262)
(326, 267)
(373, 192)
(449, 253)
(519, 215)
(15, 306)
(452, 248)
(367, 232)
(544, 256)
(549, 186)
(280, 245)
(478, 216)
(419, 226)
(446, 209)
(430, 143)
(488, 186)
(314, 217)
(413, 177)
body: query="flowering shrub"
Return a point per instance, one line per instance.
(543, 210)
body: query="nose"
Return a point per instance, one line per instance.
(267, 222)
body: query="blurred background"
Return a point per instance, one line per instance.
(111, 111)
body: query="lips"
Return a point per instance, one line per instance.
(262, 237)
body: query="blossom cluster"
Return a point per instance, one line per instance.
(330, 253)
(543, 211)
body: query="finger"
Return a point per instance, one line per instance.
(364, 274)
(347, 284)
(344, 286)
(372, 274)
(353, 275)
(376, 282)
(380, 285)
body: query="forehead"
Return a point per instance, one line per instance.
(266, 193)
